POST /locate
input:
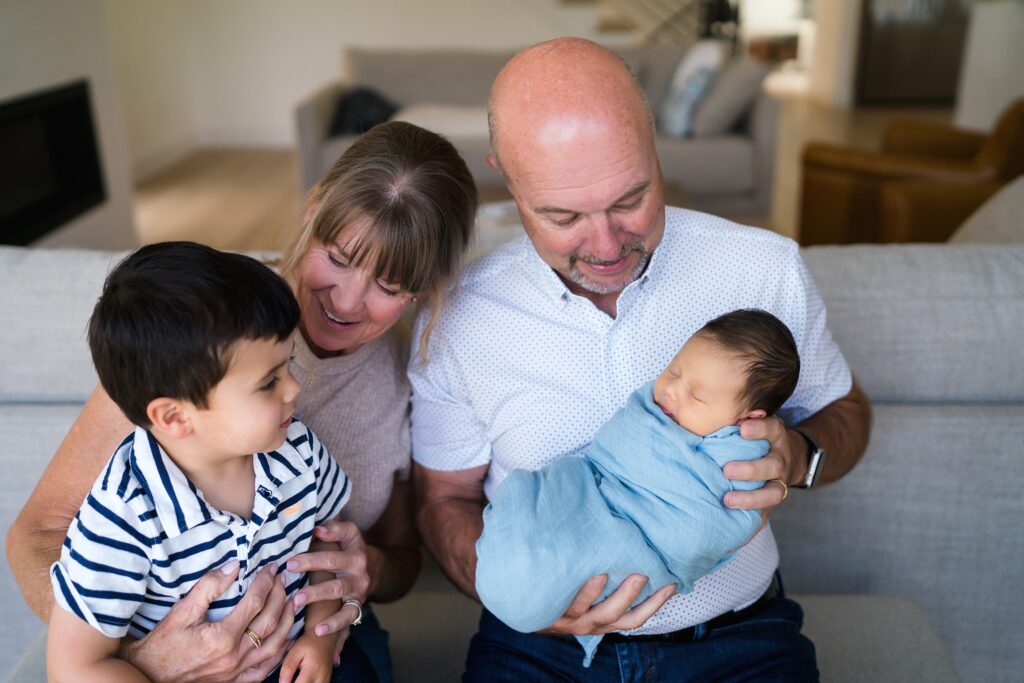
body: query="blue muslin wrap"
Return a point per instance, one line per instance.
(646, 497)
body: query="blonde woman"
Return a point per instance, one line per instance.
(386, 227)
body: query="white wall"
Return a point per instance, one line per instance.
(834, 58)
(245, 64)
(151, 51)
(992, 73)
(44, 43)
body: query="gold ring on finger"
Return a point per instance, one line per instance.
(256, 640)
(785, 489)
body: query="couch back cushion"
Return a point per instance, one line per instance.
(47, 297)
(927, 323)
(406, 77)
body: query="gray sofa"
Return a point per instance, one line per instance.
(729, 174)
(910, 566)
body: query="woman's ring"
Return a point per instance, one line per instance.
(785, 489)
(256, 640)
(345, 602)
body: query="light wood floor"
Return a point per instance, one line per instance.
(247, 199)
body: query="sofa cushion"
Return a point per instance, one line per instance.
(925, 516)
(723, 164)
(449, 120)
(461, 77)
(1000, 220)
(914, 320)
(731, 96)
(45, 338)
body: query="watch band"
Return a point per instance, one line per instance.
(815, 462)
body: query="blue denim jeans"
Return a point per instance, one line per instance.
(764, 647)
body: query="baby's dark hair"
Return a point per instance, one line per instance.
(773, 364)
(168, 316)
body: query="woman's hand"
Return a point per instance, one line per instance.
(348, 565)
(584, 618)
(186, 647)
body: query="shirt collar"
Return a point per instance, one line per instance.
(178, 503)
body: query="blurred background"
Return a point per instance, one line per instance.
(128, 121)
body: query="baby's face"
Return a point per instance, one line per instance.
(701, 388)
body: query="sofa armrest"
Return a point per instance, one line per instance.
(916, 211)
(864, 165)
(764, 125)
(920, 138)
(313, 121)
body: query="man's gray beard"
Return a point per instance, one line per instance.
(595, 288)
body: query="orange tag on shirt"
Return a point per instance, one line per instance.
(293, 509)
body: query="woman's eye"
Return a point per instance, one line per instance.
(390, 290)
(336, 260)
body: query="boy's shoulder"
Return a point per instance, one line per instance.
(122, 478)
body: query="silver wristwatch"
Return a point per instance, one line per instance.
(815, 462)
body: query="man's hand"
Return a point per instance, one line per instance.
(348, 565)
(583, 617)
(186, 647)
(786, 460)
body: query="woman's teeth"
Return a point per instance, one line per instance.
(335, 319)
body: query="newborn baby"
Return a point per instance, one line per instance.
(646, 495)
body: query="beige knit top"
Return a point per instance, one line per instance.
(358, 405)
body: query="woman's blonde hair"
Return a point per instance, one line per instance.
(419, 200)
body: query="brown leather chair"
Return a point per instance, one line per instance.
(926, 180)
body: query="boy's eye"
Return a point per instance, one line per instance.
(269, 386)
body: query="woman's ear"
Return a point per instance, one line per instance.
(170, 416)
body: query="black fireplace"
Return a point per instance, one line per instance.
(49, 163)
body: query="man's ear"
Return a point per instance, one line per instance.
(170, 416)
(492, 162)
(755, 415)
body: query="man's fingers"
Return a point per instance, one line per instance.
(193, 607)
(638, 616)
(615, 605)
(586, 596)
(252, 602)
(761, 499)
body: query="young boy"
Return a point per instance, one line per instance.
(193, 345)
(646, 497)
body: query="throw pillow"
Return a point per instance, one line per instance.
(692, 79)
(360, 109)
(731, 96)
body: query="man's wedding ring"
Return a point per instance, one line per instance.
(785, 489)
(345, 602)
(256, 640)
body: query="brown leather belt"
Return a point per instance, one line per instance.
(686, 635)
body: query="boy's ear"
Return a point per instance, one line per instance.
(169, 416)
(755, 415)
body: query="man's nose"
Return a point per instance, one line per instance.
(605, 240)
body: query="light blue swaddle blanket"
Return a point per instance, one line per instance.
(645, 498)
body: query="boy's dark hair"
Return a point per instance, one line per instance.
(773, 364)
(167, 318)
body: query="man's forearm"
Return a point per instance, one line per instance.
(842, 428)
(450, 529)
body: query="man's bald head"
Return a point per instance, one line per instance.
(552, 91)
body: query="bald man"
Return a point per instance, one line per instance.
(545, 339)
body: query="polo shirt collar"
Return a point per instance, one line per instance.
(179, 505)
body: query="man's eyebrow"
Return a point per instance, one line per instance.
(628, 194)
